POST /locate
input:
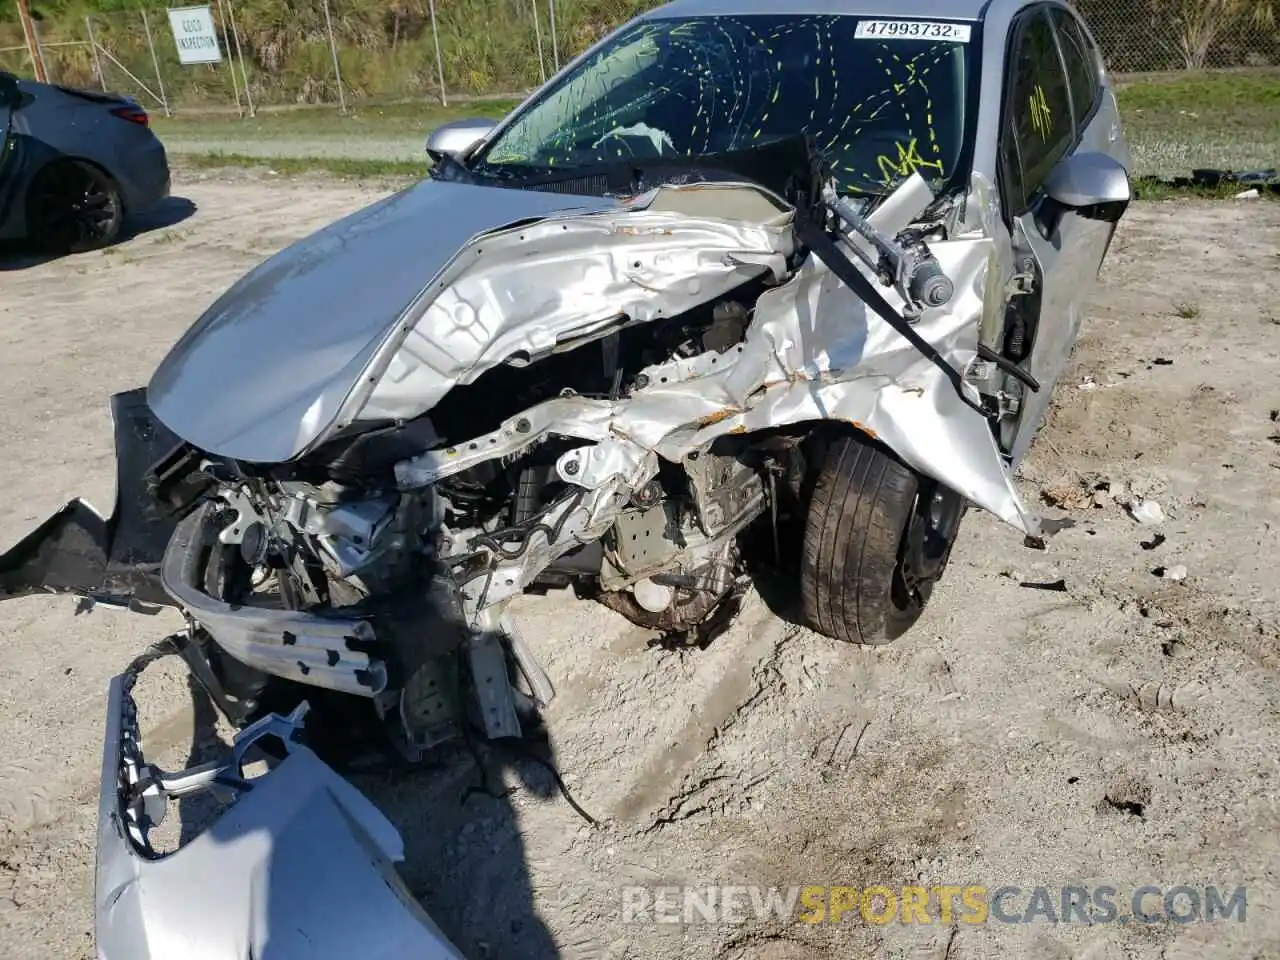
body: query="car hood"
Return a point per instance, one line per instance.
(266, 368)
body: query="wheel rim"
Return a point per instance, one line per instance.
(74, 206)
(926, 544)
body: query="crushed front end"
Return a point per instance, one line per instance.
(605, 398)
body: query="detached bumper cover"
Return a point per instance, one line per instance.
(300, 866)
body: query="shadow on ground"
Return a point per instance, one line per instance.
(465, 858)
(15, 255)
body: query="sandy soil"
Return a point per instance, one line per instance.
(1123, 732)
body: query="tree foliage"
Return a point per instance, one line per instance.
(1189, 34)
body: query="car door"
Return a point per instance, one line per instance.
(1049, 113)
(9, 96)
(8, 160)
(5, 113)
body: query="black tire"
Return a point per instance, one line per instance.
(73, 207)
(877, 537)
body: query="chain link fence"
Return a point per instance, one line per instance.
(1139, 36)
(288, 52)
(278, 52)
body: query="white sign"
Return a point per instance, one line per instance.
(913, 30)
(194, 34)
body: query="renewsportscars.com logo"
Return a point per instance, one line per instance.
(942, 904)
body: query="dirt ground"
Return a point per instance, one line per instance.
(1120, 732)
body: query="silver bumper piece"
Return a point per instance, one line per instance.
(292, 644)
(301, 866)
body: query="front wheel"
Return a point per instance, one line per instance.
(877, 537)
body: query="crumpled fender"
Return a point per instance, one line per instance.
(115, 558)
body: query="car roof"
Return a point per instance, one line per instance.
(941, 9)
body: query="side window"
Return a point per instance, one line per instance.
(1082, 64)
(1038, 107)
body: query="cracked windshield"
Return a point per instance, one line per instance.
(881, 99)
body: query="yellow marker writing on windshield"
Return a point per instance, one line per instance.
(1041, 115)
(907, 162)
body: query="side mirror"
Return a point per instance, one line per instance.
(458, 137)
(1092, 185)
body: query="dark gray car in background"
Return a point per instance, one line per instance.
(74, 165)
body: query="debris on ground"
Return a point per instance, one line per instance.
(1090, 491)
(1175, 573)
(1259, 181)
(1154, 542)
(1146, 511)
(1055, 586)
(1068, 496)
(1212, 178)
(1251, 194)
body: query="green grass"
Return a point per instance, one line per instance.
(1175, 123)
(288, 166)
(1150, 188)
(389, 133)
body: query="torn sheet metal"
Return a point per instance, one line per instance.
(517, 295)
(301, 866)
(816, 352)
(812, 352)
(518, 292)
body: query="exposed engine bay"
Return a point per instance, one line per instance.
(353, 534)
(340, 535)
(625, 457)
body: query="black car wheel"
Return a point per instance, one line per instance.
(73, 207)
(877, 538)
